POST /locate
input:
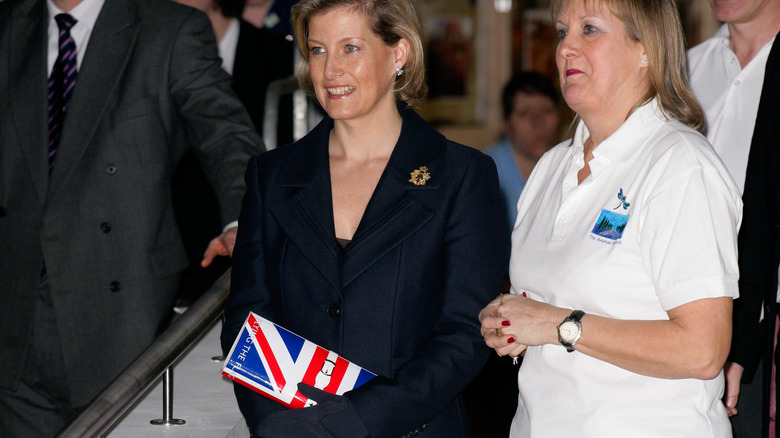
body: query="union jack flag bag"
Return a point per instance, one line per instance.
(271, 360)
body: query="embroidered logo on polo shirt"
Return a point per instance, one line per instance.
(610, 224)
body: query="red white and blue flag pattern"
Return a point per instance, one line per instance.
(271, 360)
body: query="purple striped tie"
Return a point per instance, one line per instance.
(61, 83)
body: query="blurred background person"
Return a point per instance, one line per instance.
(256, 11)
(624, 260)
(254, 58)
(373, 236)
(735, 83)
(531, 122)
(271, 15)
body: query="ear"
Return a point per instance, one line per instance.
(401, 52)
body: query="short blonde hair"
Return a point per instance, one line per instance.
(390, 20)
(656, 25)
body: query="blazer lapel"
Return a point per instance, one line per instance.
(28, 93)
(394, 213)
(311, 206)
(110, 46)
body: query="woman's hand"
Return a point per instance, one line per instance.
(333, 417)
(510, 323)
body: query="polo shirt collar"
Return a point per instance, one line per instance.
(722, 34)
(622, 144)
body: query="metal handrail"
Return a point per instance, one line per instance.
(122, 394)
(306, 113)
(273, 95)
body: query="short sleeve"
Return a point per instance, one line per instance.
(689, 235)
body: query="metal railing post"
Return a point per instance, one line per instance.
(167, 387)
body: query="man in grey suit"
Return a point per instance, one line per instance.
(90, 253)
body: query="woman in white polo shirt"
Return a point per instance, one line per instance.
(624, 261)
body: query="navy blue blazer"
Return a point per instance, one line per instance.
(401, 299)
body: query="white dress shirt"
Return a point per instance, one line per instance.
(86, 14)
(227, 46)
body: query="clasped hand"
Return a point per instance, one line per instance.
(510, 323)
(333, 417)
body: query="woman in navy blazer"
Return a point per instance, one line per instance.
(373, 236)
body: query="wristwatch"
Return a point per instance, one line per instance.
(570, 330)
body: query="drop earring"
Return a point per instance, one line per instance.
(399, 71)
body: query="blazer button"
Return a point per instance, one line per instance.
(111, 169)
(115, 286)
(2, 212)
(333, 310)
(105, 227)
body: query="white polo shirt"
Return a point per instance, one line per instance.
(653, 227)
(729, 96)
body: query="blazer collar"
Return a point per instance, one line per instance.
(391, 216)
(417, 145)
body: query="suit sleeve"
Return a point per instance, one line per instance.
(452, 357)
(215, 122)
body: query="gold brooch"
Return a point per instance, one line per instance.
(420, 176)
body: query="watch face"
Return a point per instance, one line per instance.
(569, 331)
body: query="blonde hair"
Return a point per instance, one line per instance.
(656, 25)
(390, 20)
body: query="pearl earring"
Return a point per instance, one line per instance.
(399, 71)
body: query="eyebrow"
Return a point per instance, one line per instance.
(582, 17)
(341, 41)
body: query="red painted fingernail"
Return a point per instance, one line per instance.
(525, 294)
(510, 340)
(505, 323)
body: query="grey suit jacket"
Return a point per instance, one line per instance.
(150, 85)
